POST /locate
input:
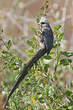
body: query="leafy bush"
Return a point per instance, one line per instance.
(45, 86)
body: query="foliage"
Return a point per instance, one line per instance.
(44, 87)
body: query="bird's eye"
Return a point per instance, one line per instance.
(43, 23)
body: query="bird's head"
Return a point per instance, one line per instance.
(43, 21)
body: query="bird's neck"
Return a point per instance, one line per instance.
(45, 26)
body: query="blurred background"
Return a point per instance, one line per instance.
(18, 16)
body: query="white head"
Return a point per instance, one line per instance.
(43, 20)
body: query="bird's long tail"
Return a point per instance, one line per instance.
(24, 72)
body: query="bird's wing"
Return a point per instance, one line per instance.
(47, 35)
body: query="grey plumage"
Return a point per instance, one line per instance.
(47, 34)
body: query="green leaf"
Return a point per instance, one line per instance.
(60, 96)
(68, 92)
(46, 66)
(42, 8)
(41, 100)
(30, 43)
(65, 62)
(33, 38)
(51, 53)
(56, 28)
(60, 36)
(67, 54)
(9, 44)
(30, 51)
(46, 6)
(47, 1)
(48, 57)
(41, 14)
(37, 19)
(5, 52)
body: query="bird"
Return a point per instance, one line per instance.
(46, 33)
(47, 39)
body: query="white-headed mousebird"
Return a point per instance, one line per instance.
(47, 38)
